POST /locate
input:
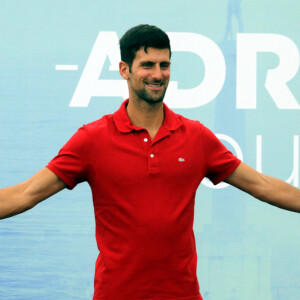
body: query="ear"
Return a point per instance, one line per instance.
(124, 69)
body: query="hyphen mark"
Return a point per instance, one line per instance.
(66, 67)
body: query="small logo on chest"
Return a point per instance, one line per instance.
(181, 159)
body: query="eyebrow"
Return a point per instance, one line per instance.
(167, 62)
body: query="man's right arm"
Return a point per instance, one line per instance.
(21, 197)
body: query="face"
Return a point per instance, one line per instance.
(149, 76)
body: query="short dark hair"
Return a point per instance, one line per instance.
(142, 36)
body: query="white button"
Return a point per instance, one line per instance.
(145, 140)
(151, 155)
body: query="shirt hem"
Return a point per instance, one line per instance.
(197, 297)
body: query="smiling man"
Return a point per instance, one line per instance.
(148, 78)
(144, 164)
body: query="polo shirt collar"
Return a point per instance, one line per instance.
(123, 123)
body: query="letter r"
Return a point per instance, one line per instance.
(248, 45)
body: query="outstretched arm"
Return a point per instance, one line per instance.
(21, 197)
(265, 188)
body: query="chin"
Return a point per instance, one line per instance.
(149, 97)
(153, 101)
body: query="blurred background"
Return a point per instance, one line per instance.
(246, 249)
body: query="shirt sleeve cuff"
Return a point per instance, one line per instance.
(70, 183)
(223, 176)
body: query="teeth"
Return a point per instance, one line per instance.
(154, 85)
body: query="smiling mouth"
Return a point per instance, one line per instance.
(154, 85)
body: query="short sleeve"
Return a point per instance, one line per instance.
(71, 163)
(220, 162)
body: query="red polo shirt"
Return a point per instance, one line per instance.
(144, 195)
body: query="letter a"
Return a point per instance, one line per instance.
(89, 85)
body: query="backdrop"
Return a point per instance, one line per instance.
(234, 67)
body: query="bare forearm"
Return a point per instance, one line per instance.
(12, 202)
(266, 188)
(21, 197)
(280, 194)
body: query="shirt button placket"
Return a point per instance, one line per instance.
(146, 142)
(149, 151)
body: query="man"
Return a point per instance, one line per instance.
(144, 164)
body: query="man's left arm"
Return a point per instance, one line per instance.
(265, 188)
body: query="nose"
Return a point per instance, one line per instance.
(157, 73)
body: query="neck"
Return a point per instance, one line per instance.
(145, 115)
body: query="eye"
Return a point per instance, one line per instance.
(165, 65)
(147, 65)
